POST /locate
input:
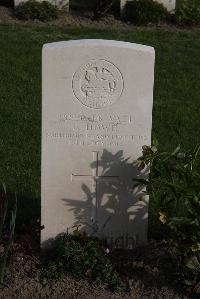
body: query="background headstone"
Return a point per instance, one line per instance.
(61, 4)
(170, 5)
(96, 115)
(123, 7)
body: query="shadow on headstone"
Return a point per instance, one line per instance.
(113, 203)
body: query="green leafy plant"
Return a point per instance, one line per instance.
(32, 9)
(142, 12)
(84, 257)
(6, 235)
(190, 265)
(188, 12)
(174, 189)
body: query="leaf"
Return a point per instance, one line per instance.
(193, 264)
(196, 151)
(173, 153)
(177, 149)
(180, 220)
(142, 181)
(155, 141)
(173, 187)
(3, 208)
(196, 247)
(162, 217)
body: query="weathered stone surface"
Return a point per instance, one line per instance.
(96, 115)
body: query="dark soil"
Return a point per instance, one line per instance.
(84, 19)
(154, 275)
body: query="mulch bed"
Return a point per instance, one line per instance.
(154, 274)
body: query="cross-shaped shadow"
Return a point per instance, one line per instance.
(112, 207)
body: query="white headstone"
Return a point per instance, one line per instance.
(170, 5)
(123, 7)
(96, 115)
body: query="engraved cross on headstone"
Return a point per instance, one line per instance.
(95, 178)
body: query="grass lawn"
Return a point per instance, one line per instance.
(176, 113)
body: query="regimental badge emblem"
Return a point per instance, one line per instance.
(98, 84)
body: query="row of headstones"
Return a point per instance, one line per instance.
(169, 4)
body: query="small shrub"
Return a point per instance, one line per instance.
(142, 12)
(188, 12)
(174, 190)
(83, 257)
(32, 9)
